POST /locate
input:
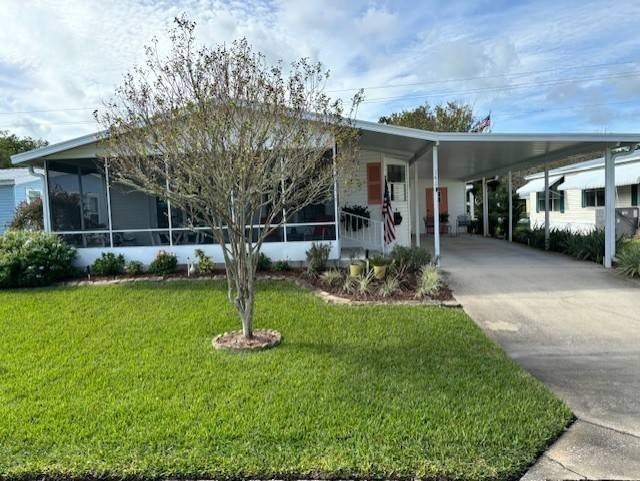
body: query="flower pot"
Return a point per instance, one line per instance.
(379, 271)
(355, 270)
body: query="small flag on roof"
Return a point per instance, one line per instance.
(483, 125)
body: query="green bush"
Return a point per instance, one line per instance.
(629, 259)
(205, 264)
(32, 258)
(409, 258)
(281, 266)
(108, 264)
(588, 246)
(317, 257)
(164, 263)
(134, 268)
(264, 262)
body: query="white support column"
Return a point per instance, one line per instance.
(472, 205)
(417, 194)
(546, 206)
(485, 208)
(609, 208)
(510, 190)
(436, 206)
(108, 189)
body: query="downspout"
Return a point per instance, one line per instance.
(45, 200)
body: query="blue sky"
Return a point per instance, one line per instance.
(543, 66)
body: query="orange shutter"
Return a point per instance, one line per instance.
(374, 183)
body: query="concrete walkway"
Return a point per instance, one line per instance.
(574, 326)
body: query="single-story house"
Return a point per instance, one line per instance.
(96, 215)
(17, 186)
(577, 195)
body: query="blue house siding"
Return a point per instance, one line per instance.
(20, 190)
(7, 206)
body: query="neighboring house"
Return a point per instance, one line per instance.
(16, 186)
(576, 195)
(80, 208)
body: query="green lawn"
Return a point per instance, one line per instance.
(122, 381)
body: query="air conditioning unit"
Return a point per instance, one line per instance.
(626, 220)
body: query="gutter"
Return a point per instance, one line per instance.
(45, 198)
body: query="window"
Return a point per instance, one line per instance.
(396, 173)
(593, 198)
(33, 195)
(396, 178)
(556, 201)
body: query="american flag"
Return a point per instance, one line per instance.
(483, 125)
(387, 217)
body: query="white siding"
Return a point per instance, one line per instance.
(574, 214)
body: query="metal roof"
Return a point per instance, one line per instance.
(536, 185)
(626, 174)
(462, 156)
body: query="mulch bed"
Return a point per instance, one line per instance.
(236, 341)
(407, 292)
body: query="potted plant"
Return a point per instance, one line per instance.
(379, 264)
(356, 266)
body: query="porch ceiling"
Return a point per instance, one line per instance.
(468, 156)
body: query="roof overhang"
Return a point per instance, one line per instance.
(462, 156)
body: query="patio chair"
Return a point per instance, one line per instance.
(462, 221)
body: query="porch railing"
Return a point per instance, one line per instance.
(361, 231)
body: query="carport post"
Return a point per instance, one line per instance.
(485, 208)
(609, 208)
(510, 189)
(546, 207)
(436, 206)
(417, 191)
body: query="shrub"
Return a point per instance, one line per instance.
(134, 268)
(108, 264)
(317, 257)
(378, 261)
(264, 262)
(629, 259)
(390, 286)
(164, 263)
(28, 216)
(281, 266)
(205, 264)
(331, 278)
(364, 283)
(349, 284)
(32, 258)
(429, 281)
(410, 258)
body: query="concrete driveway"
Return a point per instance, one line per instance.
(574, 326)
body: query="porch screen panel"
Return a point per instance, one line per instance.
(77, 195)
(138, 219)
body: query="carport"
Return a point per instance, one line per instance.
(471, 157)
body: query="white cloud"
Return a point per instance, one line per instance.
(69, 54)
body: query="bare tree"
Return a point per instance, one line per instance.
(232, 140)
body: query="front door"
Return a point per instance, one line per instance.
(396, 173)
(443, 207)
